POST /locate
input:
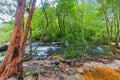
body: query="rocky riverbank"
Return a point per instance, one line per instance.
(71, 69)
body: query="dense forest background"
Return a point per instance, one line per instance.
(75, 23)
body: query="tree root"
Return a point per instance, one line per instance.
(8, 71)
(1, 70)
(114, 50)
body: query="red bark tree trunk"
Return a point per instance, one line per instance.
(15, 52)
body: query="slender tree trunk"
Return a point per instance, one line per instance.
(113, 50)
(116, 25)
(106, 21)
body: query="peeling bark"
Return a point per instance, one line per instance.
(15, 52)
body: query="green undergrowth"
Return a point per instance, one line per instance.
(71, 52)
(5, 32)
(2, 53)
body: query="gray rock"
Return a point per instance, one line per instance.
(31, 78)
(99, 49)
(55, 62)
(30, 70)
(94, 50)
(71, 71)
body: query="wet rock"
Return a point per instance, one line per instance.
(31, 78)
(99, 49)
(71, 71)
(95, 50)
(55, 62)
(30, 70)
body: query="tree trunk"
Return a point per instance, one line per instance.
(112, 48)
(10, 65)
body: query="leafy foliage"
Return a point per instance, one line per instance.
(5, 32)
(76, 22)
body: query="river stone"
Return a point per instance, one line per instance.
(31, 78)
(71, 71)
(94, 50)
(28, 70)
(55, 62)
(99, 49)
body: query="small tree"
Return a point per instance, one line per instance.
(112, 48)
(12, 65)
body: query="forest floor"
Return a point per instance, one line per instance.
(85, 68)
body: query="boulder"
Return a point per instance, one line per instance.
(28, 70)
(99, 49)
(95, 50)
(55, 62)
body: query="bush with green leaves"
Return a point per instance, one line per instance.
(2, 53)
(5, 32)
